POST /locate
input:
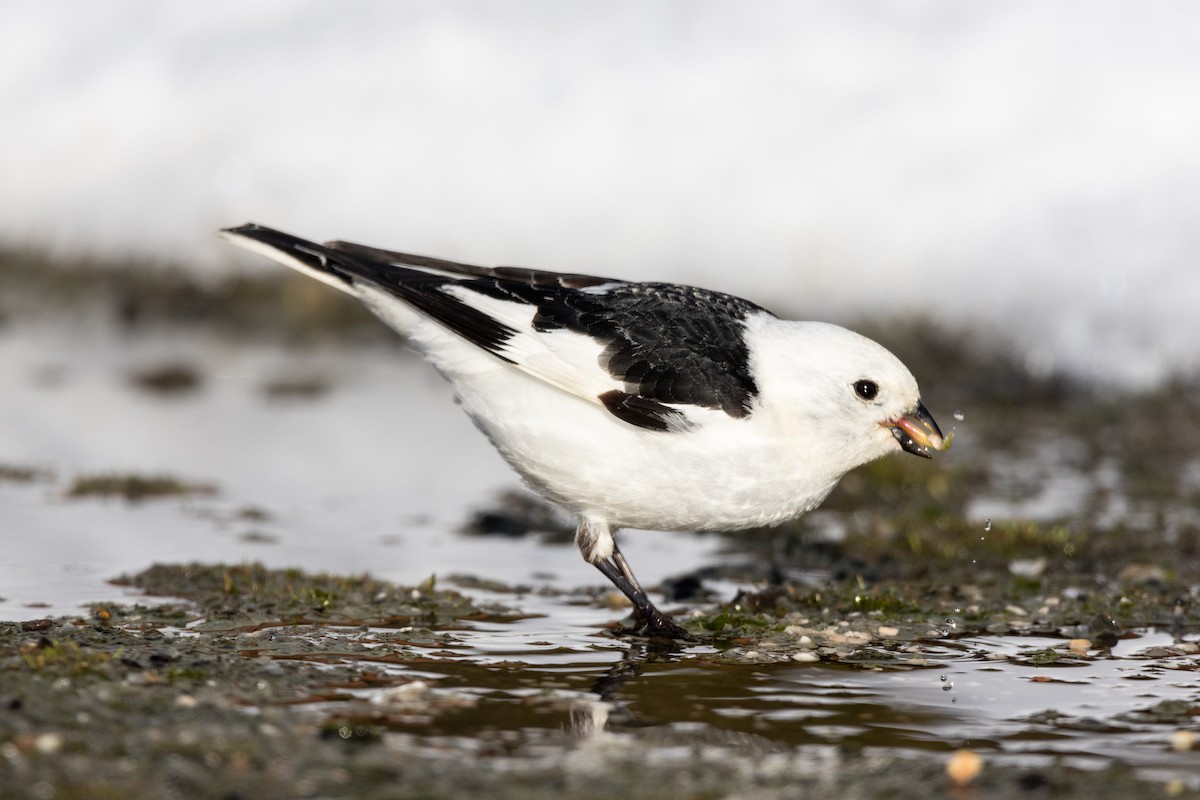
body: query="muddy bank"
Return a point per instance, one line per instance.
(237, 692)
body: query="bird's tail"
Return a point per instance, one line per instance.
(337, 263)
(314, 260)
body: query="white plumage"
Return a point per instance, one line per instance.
(637, 405)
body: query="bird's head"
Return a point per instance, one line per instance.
(842, 394)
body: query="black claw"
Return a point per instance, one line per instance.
(660, 627)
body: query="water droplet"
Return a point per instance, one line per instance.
(948, 687)
(944, 678)
(987, 525)
(958, 415)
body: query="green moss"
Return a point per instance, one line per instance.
(61, 657)
(732, 622)
(251, 595)
(297, 388)
(169, 378)
(18, 474)
(135, 488)
(885, 601)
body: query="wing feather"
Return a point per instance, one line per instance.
(660, 356)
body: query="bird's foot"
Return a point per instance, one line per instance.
(658, 625)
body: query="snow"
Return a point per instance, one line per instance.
(1026, 166)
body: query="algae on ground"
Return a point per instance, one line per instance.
(135, 488)
(247, 596)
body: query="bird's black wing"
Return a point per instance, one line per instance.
(657, 350)
(669, 346)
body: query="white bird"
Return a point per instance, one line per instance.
(643, 405)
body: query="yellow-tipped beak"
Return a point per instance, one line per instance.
(917, 432)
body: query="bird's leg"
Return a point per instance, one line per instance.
(654, 622)
(619, 559)
(599, 549)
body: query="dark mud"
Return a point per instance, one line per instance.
(274, 683)
(136, 296)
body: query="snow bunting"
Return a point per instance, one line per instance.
(643, 405)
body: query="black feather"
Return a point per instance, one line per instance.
(670, 345)
(644, 413)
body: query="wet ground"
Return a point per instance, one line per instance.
(252, 549)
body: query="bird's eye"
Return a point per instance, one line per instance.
(866, 389)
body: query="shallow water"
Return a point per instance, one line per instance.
(975, 693)
(381, 473)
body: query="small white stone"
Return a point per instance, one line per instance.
(963, 767)
(405, 693)
(887, 630)
(48, 743)
(1027, 567)
(806, 656)
(1182, 741)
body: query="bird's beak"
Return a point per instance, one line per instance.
(917, 432)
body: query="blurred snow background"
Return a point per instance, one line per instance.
(1031, 167)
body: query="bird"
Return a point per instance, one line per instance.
(644, 405)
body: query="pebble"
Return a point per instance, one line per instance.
(1079, 646)
(1182, 741)
(48, 743)
(1027, 567)
(888, 630)
(614, 600)
(806, 656)
(963, 767)
(405, 693)
(37, 624)
(1142, 573)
